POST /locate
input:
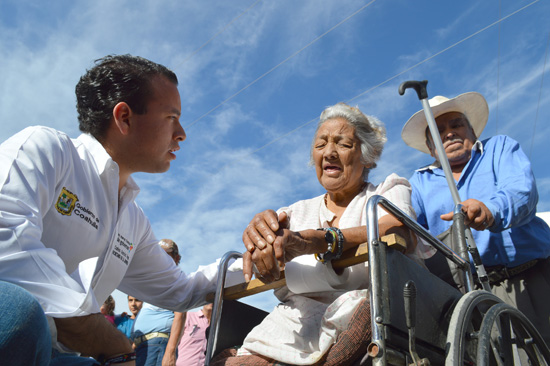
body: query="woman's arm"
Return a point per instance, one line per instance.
(287, 244)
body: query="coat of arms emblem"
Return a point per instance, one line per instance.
(65, 202)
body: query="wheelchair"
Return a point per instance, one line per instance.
(419, 316)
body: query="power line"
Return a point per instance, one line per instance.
(498, 69)
(442, 51)
(374, 87)
(217, 34)
(384, 82)
(281, 63)
(540, 94)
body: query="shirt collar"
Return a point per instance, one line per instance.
(326, 216)
(104, 163)
(478, 146)
(101, 157)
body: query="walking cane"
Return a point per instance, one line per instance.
(458, 216)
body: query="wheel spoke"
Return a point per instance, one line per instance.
(515, 335)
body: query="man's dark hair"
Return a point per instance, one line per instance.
(115, 79)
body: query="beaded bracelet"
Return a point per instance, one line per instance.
(118, 359)
(335, 245)
(340, 247)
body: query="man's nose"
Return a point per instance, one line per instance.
(180, 133)
(449, 134)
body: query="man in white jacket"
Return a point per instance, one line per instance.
(70, 230)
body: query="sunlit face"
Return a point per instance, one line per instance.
(157, 133)
(457, 137)
(337, 157)
(134, 305)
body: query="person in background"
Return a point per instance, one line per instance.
(192, 346)
(108, 309)
(125, 322)
(495, 180)
(157, 331)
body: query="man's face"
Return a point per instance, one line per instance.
(134, 305)
(457, 137)
(156, 135)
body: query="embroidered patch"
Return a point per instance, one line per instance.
(65, 202)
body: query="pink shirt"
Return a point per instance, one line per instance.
(193, 341)
(110, 318)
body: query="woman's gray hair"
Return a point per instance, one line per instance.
(368, 129)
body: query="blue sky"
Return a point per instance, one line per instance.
(256, 74)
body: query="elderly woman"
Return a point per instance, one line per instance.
(305, 326)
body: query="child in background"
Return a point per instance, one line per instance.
(108, 309)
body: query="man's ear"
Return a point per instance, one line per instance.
(121, 115)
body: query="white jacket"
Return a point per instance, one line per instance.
(67, 239)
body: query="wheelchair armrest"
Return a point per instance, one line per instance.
(349, 258)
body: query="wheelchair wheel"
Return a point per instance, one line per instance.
(506, 336)
(466, 320)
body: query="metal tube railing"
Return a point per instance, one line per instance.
(378, 316)
(218, 304)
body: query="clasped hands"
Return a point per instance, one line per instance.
(269, 244)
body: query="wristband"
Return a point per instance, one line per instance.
(118, 359)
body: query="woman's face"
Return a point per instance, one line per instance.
(337, 157)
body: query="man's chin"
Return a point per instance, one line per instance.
(160, 168)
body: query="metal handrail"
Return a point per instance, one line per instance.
(218, 304)
(378, 301)
(418, 229)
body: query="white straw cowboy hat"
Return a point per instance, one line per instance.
(471, 104)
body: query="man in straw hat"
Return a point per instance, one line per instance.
(494, 178)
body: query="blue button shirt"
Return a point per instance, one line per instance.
(124, 324)
(498, 174)
(152, 319)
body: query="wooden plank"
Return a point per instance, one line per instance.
(361, 252)
(349, 258)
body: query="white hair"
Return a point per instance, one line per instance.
(369, 130)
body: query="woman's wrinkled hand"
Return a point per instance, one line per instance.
(262, 263)
(268, 262)
(262, 229)
(269, 245)
(258, 238)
